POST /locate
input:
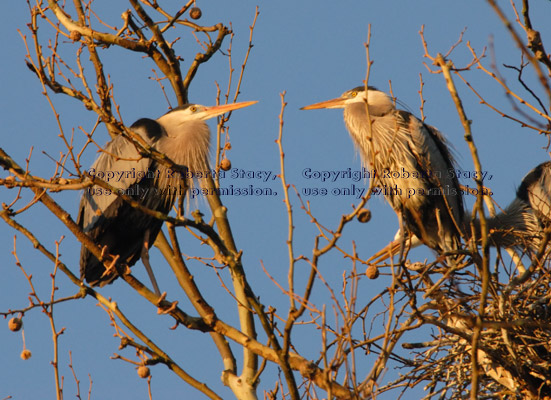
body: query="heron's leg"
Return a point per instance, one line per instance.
(145, 260)
(388, 251)
(402, 237)
(517, 260)
(393, 248)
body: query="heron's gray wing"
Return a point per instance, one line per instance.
(535, 190)
(433, 153)
(120, 165)
(441, 194)
(442, 143)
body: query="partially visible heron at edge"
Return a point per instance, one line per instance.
(388, 139)
(127, 232)
(521, 225)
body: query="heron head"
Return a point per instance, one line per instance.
(187, 137)
(196, 112)
(376, 100)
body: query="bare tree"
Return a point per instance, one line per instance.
(489, 326)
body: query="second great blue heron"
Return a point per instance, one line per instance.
(522, 223)
(412, 162)
(118, 227)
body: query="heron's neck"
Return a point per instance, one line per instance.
(187, 144)
(376, 135)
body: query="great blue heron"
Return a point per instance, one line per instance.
(122, 230)
(412, 162)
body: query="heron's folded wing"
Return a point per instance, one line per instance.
(121, 166)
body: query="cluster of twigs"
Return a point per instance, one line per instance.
(513, 352)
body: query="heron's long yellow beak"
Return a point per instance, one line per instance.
(213, 111)
(339, 102)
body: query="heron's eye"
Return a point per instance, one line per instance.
(353, 94)
(192, 109)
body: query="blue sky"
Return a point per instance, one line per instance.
(312, 50)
